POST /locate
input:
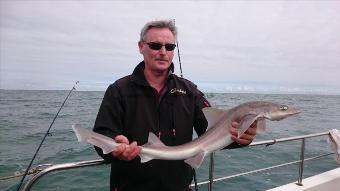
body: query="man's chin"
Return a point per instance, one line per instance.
(161, 69)
(163, 65)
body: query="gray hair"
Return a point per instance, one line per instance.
(170, 24)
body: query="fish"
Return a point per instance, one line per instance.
(215, 138)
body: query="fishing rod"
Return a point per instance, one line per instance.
(180, 68)
(46, 134)
(179, 59)
(179, 55)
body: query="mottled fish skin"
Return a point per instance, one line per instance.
(215, 138)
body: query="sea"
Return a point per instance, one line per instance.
(25, 116)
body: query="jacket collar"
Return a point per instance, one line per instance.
(138, 74)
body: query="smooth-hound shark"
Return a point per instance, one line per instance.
(215, 138)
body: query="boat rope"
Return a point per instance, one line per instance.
(17, 174)
(46, 134)
(33, 170)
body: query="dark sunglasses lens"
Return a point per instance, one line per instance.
(155, 46)
(158, 46)
(170, 47)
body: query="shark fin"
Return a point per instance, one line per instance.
(153, 142)
(144, 158)
(261, 124)
(196, 161)
(213, 115)
(245, 123)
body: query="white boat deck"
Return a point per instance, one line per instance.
(327, 181)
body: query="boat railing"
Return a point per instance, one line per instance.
(211, 179)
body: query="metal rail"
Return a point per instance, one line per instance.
(59, 167)
(211, 180)
(274, 141)
(261, 170)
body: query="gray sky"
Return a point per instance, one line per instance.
(258, 46)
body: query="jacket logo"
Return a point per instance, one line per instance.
(178, 91)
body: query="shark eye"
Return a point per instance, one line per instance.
(283, 107)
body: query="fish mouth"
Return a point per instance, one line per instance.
(279, 115)
(295, 111)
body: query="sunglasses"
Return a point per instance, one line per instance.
(158, 46)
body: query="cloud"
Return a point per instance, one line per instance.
(51, 44)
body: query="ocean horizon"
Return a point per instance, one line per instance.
(211, 87)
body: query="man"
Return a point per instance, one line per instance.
(153, 99)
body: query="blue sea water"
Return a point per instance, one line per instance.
(25, 115)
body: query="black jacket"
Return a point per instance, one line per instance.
(133, 108)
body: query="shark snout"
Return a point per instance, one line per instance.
(295, 111)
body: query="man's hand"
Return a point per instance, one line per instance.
(125, 151)
(247, 137)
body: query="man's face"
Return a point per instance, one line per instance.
(157, 60)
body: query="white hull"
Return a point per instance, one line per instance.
(327, 181)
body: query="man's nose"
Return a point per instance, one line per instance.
(162, 50)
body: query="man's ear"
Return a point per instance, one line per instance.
(140, 46)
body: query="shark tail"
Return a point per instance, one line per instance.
(84, 135)
(81, 133)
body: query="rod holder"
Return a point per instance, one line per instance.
(302, 159)
(211, 172)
